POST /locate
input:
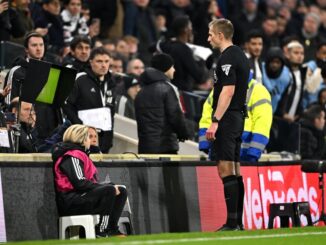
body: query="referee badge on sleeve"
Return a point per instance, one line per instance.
(226, 69)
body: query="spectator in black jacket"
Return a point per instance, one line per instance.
(312, 142)
(10, 23)
(249, 18)
(159, 116)
(139, 21)
(187, 70)
(94, 89)
(80, 49)
(49, 18)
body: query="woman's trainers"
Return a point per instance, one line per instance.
(115, 233)
(101, 234)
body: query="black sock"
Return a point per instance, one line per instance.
(231, 199)
(240, 199)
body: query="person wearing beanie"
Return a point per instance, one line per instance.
(125, 103)
(162, 62)
(160, 119)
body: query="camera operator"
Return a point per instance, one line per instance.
(48, 117)
(28, 140)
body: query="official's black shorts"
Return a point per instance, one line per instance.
(227, 143)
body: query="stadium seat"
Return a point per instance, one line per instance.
(284, 211)
(88, 222)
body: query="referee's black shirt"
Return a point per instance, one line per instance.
(232, 69)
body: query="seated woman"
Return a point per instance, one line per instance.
(77, 189)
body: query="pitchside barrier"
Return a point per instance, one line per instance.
(166, 193)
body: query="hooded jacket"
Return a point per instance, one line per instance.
(276, 82)
(160, 119)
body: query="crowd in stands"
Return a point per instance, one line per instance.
(284, 40)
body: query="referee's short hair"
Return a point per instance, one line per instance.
(76, 134)
(222, 25)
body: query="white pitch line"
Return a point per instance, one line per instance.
(205, 239)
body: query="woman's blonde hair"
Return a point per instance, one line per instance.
(76, 133)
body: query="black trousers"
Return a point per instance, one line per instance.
(101, 200)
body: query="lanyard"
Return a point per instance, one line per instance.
(103, 94)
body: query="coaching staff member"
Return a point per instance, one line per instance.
(230, 87)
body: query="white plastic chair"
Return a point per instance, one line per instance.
(86, 221)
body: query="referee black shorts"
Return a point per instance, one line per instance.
(227, 143)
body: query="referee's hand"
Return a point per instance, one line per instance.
(210, 133)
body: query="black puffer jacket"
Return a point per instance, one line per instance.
(312, 142)
(158, 113)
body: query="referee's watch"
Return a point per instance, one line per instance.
(215, 120)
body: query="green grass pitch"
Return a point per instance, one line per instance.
(304, 235)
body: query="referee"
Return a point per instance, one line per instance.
(229, 110)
